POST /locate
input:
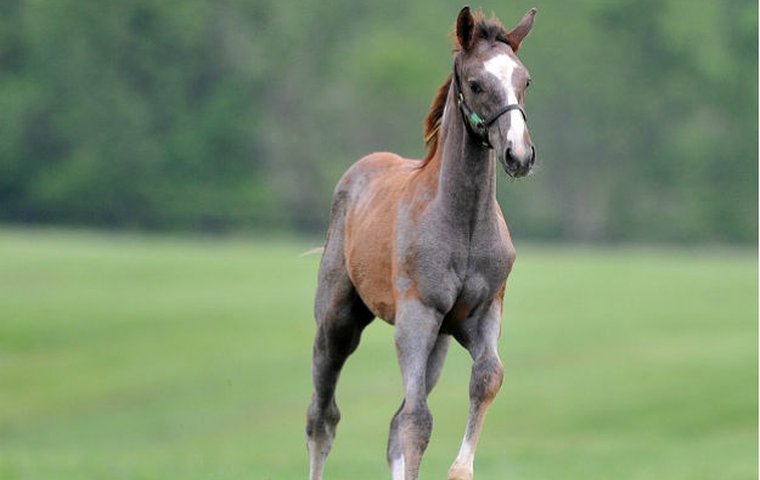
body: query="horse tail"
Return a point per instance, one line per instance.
(319, 250)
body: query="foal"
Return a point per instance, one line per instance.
(424, 246)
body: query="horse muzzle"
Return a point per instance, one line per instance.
(518, 162)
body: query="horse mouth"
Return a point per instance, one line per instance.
(518, 171)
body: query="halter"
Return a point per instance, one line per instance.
(472, 121)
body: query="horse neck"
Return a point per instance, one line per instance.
(466, 170)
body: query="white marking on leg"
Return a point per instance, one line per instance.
(502, 67)
(317, 457)
(398, 468)
(313, 463)
(466, 455)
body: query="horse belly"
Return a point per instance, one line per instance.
(375, 184)
(370, 272)
(369, 263)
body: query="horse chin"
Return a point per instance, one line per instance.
(515, 171)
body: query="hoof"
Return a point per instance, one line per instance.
(458, 472)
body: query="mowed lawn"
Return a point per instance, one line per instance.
(140, 357)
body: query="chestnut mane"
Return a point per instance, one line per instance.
(490, 30)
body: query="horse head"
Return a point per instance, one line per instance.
(490, 82)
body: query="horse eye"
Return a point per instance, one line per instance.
(527, 84)
(475, 86)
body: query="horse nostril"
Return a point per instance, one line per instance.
(510, 159)
(532, 156)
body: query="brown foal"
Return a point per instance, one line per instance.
(424, 246)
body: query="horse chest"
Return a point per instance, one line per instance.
(492, 264)
(488, 265)
(468, 275)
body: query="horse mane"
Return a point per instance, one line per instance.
(489, 30)
(433, 120)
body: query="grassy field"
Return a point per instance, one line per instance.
(129, 357)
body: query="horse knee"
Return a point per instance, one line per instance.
(422, 417)
(487, 376)
(416, 425)
(322, 420)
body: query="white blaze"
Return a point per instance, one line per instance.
(502, 66)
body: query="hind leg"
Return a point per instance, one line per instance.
(341, 316)
(337, 336)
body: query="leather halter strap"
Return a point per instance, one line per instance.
(474, 123)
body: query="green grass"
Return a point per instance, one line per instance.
(131, 357)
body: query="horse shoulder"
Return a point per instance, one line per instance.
(500, 253)
(507, 247)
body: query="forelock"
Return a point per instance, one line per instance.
(489, 30)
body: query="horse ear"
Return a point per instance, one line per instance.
(521, 30)
(465, 27)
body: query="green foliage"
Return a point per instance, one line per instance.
(236, 114)
(152, 358)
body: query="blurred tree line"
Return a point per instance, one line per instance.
(242, 114)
